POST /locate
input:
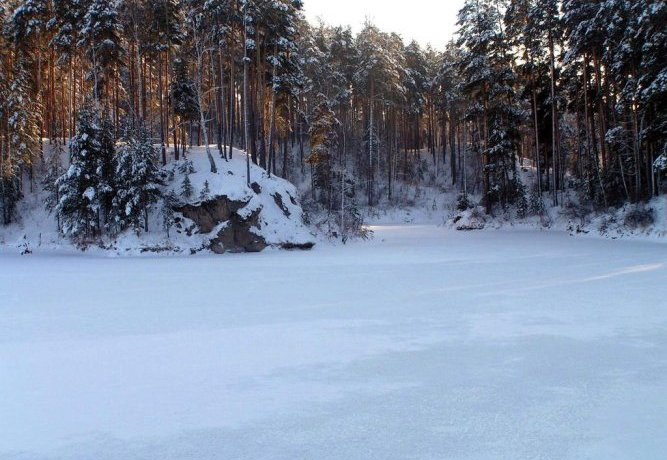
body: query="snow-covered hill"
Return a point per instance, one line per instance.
(227, 217)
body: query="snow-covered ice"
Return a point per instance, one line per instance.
(424, 343)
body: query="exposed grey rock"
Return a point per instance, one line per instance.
(256, 188)
(237, 227)
(238, 235)
(279, 202)
(210, 213)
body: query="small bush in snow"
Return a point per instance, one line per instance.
(463, 203)
(186, 167)
(205, 193)
(639, 217)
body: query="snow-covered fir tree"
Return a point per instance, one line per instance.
(488, 80)
(84, 193)
(169, 201)
(186, 187)
(137, 186)
(205, 192)
(9, 165)
(23, 113)
(186, 167)
(54, 170)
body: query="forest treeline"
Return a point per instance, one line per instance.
(574, 90)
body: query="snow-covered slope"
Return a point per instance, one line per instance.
(267, 212)
(268, 208)
(643, 221)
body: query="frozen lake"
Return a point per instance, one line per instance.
(421, 344)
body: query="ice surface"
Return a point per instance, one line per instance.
(424, 343)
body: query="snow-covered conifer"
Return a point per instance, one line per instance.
(138, 182)
(100, 37)
(54, 170)
(84, 192)
(323, 143)
(205, 193)
(186, 187)
(169, 202)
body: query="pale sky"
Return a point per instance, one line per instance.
(427, 21)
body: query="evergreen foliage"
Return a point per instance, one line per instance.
(323, 142)
(574, 91)
(138, 186)
(186, 187)
(82, 191)
(205, 192)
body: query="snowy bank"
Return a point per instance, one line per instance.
(643, 221)
(219, 213)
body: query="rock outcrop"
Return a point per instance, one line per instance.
(230, 230)
(241, 218)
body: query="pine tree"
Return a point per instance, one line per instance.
(100, 37)
(660, 165)
(451, 106)
(106, 166)
(28, 21)
(169, 202)
(205, 193)
(166, 18)
(82, 193)
(653, 81)
(200, 42)
(186, 167)
(280, 32)
(23, 117)
(488, 80)
(323, 142)
(186, 187)
(535, 203)
(54, 170)
(185, 104)
(351, 223)
(67, 22)
(524, 32)
(379, 77)
(9, 165)
(585, 36)
(138, 186)
(10, 192)
(416, 85)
